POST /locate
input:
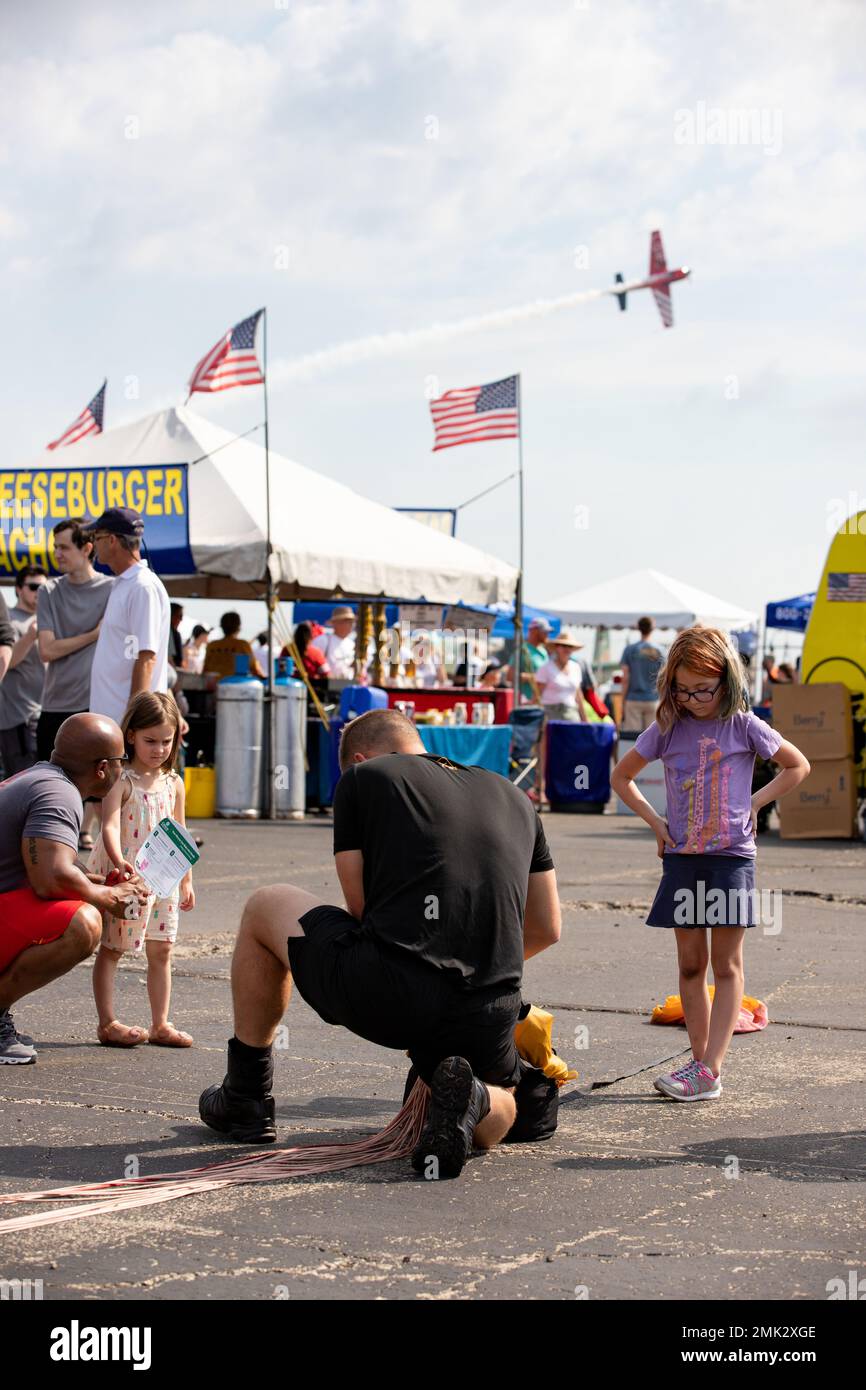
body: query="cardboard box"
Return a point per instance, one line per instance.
(824, 806)
(817, 719)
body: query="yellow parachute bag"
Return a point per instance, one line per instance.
(533, 1037)
(752, 1018)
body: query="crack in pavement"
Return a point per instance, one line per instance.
(647, 1013)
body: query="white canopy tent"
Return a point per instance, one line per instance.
(326, 539)
(620, 602)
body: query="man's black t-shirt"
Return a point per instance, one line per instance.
(448, 851)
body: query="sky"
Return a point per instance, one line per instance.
(364, 167)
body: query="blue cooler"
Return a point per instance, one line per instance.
(358, 699)
(577, 771)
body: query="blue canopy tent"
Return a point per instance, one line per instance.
(503, 627)
(790, 613)
(321, 612)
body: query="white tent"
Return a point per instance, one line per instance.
(326, 538)
(669, 602)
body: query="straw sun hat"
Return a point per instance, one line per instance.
(566, 638)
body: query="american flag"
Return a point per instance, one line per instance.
(88, 422)
(473, 413)
(846, 588)
(231, 362)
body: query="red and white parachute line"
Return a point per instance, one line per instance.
(394, 344)
(397, 1140)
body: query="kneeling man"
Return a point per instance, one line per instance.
(449, 887)
(51, 906)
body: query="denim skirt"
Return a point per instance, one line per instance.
(705, 890)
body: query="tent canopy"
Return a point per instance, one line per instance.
(326, 539)
(670, 603)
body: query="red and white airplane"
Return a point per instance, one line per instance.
(659, 281)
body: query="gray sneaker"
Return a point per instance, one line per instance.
(22, 1037)
(14, 1049)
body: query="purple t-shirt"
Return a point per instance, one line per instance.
(708, 767)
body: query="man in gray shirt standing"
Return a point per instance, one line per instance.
(21, 690)
(641, 662)
(7, 638)
(68, 615)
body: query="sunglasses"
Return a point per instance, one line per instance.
(701, 697)
(122, 759)
(34, 588)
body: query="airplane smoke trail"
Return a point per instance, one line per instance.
(393, 344)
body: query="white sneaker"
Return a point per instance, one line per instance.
(694, 1082)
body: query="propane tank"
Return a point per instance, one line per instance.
(290, 719)
(239, 729)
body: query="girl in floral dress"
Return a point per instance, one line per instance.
(148, 789)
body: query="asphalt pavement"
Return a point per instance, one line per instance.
(759, 1195)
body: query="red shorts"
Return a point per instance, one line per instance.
(28, 920)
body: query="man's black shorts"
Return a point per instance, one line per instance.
(351, 979)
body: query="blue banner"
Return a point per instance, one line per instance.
(32, 501)
(790, 613)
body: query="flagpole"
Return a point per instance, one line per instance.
(269, 589)
(518, 596)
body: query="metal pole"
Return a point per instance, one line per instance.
(269, 590)
(518, 597)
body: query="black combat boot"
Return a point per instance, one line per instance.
(242, 1108)
(458, 1102)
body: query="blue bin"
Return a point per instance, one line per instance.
(358, 699)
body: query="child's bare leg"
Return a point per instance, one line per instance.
(159, 994)
(693, 961)
(104, 971)
(728, 975)
(110, 1032)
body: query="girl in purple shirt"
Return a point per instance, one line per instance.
(707, 741)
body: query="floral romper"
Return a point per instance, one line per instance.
(138, 816)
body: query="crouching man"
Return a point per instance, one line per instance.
(449, 887)
(50, 905)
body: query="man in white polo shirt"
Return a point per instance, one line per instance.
(338, 645)
(132, 648)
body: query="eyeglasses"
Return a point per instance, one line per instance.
(702, 697)
(122, 759)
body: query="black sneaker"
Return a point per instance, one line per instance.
(458, 1102)
(246, 1119)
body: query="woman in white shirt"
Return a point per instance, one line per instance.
(559, 679)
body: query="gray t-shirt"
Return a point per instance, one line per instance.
(7, 638)
(21, 689)
(40, 804)
(643, 660)
(68, 610)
